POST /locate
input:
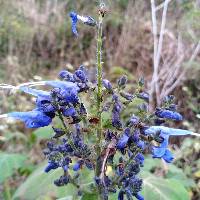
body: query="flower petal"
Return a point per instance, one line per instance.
(32, 119)
(168, 157)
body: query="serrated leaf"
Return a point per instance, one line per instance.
(9, 163)
(166, 189)
(40, 184)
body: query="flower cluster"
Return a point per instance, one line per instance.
(122, 140)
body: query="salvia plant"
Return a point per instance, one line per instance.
(84, 141)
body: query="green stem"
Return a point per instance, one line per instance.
(99, 102)
(7, 190)
(99, 91)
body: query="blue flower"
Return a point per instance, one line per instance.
(63, 180)
(122, 81)
(168, 114)
(166, 130)
(116, 120)
(107, 85)
(50, 166)
(85, 19)
(164, 133)
(70, 96)
(69, 112)
(43, 101)
(66, 75)
(32, 119)
(144, 95)
(162, 151)
(139, 158)
(134, 121)
(139, 196)
(63, 85)
(74, 19)
(127, 95)
(80, 75)
(78, 165)
(121, 144)
(121, 195)
(36, 93)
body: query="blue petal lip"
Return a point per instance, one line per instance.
(32, 119)
(63, 85)
(35, 92)
(167, 131)
(158, 152)
(168, 157)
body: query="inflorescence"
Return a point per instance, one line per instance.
(124, 141)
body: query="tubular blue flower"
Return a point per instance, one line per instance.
(63, 85)
(66, 75)
(162, 151)
(168, 157)
(43, 101)
(144, 95)
(139, 196)
(78, 165)
(121, 144)
(139, 158)
(122, 81)
(50, 166)
(134, 121)
(32, 119)
(168, 114)
(107, 85)
(116, 120)
(70, 96)
(127, 95)
(74, 19)
(166, 130)
(69, 112)
(36, 93)
(121, 195)
(85, 19)
(80, 75)
(58, 132)
(82, 110)
(63, 180)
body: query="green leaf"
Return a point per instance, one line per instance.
(166, 189)
(9, 163)
(151, 164)
(178, 174)
(44, 132)
(40, 184)
(89, 196)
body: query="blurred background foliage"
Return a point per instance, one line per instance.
(36, 42)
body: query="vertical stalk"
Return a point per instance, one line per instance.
(99, 84)
(99, 102)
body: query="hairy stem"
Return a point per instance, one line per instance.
(99, 90)
(99, 103)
